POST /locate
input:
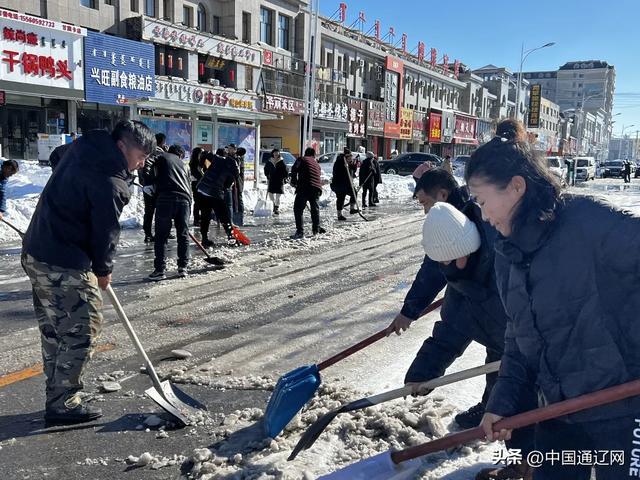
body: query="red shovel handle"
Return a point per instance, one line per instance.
(590, 400)
(368, 341)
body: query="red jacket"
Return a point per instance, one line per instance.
(305, 175)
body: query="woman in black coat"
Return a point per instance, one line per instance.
(572, 299)
(277, 174)
(366, 177)
(341, 183)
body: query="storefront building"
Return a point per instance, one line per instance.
(419, 132)
(375, 127)
(464, 135)
(393, 98)
(434, 134)
(357, 123)
(41, 78)
(330, 126)
(283, 133)
(117, 71)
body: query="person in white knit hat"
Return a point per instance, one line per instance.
(459, 246)
(448, 235)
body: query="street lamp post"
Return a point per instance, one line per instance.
(626, 143)
(523, 56)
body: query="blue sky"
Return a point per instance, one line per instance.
(479, 33)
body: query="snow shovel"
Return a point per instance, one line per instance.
(313, 432)
(262, 208)
(209, 258)
(13, 227)
(240, 236)
(359, 187)
(353, 190)
(169, 397)
(296, 388)
(389, 465)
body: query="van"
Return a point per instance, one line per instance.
(557, 167)
(585, 168)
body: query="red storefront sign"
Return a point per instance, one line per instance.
(394, 93)
(465, 131)
(357, 119)
(435, 127)
(3, 97)
(419, 126)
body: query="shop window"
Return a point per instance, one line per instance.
(150, 8)
(248, 77)
(134, 6)
(171, 62)
(215, 25)
(187, 16)
(202, 18)
(284, 24)
(246, 27)
(266, 26)
(167, 10)
(89, 4)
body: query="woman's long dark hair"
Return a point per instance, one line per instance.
(194, 160)
(508, 155)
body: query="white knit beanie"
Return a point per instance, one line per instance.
(447, 234)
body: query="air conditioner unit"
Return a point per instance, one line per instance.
(360, 63)
(422, 84)
(214, 81)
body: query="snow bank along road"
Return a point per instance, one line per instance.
(279, 305)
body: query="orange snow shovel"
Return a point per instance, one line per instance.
(402, 464)
(240, 236)
(296, 388)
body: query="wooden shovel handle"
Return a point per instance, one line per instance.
(583, 402)
(195, 240)
(368, 341)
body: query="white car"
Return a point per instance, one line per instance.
(585, 168)
(557, 167)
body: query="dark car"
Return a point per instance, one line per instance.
(613, 168)
(406, 163)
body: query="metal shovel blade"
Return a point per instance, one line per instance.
(378, 467)
(175, 402)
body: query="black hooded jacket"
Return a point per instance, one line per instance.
(76, 222)
(172, 178)
(222, 173)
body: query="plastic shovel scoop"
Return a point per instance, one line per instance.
(296, 388)
(169, 397)
(240, 236)
(209, 258)
(386, 466)
(315, 430)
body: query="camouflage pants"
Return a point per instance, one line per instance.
(68, 307)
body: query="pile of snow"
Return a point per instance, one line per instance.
(241, 451)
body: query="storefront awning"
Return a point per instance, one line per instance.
(203, 110)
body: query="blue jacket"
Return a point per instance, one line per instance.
(76, 222)
(3, 193)
(472, 309)
(571, 288)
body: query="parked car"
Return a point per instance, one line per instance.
(406, 163)
(289, 159)
(613, 168)
(585, 168)
(558, 167)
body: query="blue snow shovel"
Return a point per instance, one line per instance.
(296, 388)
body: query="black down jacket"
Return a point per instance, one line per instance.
(76, 223)
(276, 174)
(571, 288)
(172, 179)
(341, 180)
(222, 173)
(472, 309)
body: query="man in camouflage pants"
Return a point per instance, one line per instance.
(68, 254)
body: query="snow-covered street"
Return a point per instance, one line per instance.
(278, 305)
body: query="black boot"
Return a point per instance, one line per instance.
(67, 416)
(471, 418)
(276, 210)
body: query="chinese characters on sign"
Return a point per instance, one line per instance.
(465, 128)
(419, 126)
(406, 123)
(329, 111)
(114, 74)
(435, 127)
(534, 106)
(3, 97)
(276, 103)
(391, 92)
(357, 119)
(202, 95)
(40, 51)
(375, 118)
